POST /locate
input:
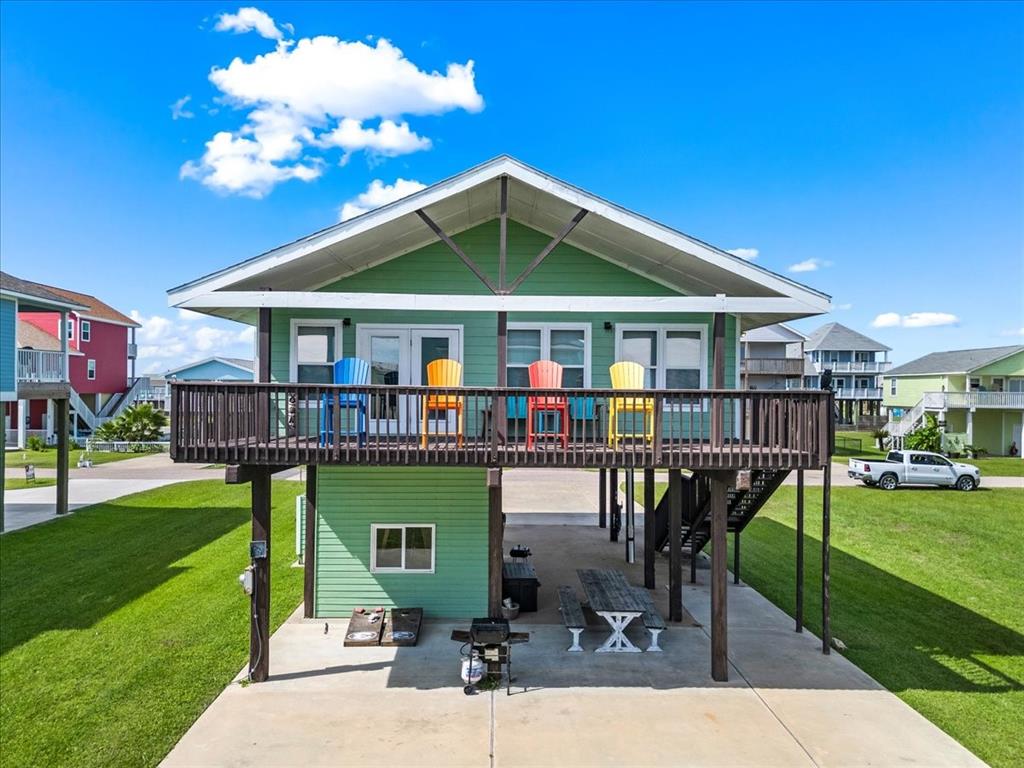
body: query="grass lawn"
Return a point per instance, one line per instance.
(48, 458)
(926, 594)
(120, 624)
(18, 483)
(868, 447)
(997, 466)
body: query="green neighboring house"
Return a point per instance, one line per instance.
(497, 267)
(977, 394)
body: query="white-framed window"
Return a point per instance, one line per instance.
(674, 356)
(85, 333)
(567, 344)
(892, 386)
(71, 329)
(90, 369)
(315, 346)
(402, 548)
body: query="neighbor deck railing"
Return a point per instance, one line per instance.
(39, 365)
(287, 424)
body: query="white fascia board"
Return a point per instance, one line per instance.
(336, 234)
(467, 180)
(501, 303)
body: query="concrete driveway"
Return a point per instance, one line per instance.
(786, 704)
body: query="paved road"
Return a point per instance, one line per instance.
(95, 485)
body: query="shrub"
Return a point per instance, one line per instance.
(880, 435)
(36, 443)
(928, 437)
(138, 424)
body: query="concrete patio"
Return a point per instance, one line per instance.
(785, 703)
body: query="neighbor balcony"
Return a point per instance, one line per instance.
(874, 366)
(289, 424)
(41, 373)
(972, 400)
(858, 393)
(772, 366)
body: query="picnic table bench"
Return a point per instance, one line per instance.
(572, 615)
(616, 601)
(653, 621)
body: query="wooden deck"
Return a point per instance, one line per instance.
(290, 424)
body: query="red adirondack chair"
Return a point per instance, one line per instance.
(547, 374)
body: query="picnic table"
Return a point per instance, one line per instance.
(616, 601)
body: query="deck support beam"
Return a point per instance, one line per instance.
(558, 238)
(720, 482)
(309, 546)
(259, 632)
(718, 379)
(826, 553)
(61, 425)
(650, 532)
(736, 556)
(613, 501)
(499, 405)
(675, 545)
(799, 550)
(630, 504)
(470, 264)
(602, 498)
(495, 541)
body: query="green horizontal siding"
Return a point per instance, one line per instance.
(8, 345)
(351, 499)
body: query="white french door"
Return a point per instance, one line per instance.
(399, 355)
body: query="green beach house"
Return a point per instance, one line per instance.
(496, 268)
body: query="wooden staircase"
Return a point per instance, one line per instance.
(742, 505)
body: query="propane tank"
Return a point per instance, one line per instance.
(472, 669)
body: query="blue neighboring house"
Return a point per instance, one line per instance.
(213, 369)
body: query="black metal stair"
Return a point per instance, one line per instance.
(742, 505)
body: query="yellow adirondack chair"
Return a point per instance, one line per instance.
(443, 373)
(629, 375)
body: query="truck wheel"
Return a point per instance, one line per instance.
(965, 483)
(888, 482)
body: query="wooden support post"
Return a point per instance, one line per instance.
(499, 406)
(259, 633)
(630, 504)
(602, 498)
(675, 545)
(613, 501)
(826, 522)
(61, 427)
(502, 234)
(719, 609)
(650, 532)
(263, 374)
(495, 541)
(718, 380)
(799, 550)
(736, 557)
(3, 473)
(309, 546)
(690, 515)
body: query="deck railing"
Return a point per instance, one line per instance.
(283, 424)
(39, 365)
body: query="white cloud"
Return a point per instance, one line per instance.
(165, 343)
(748, 254)
(249, 20)
(178, 111)
(317, 95)
(1013, 332)
(388, 139)
(914, 320)
(376, 195)
(809, 265)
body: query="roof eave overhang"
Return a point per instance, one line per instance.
(251, 269)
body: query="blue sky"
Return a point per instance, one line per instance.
(881, 146)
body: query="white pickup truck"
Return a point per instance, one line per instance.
(915, 468)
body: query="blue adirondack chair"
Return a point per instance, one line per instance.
(348, 370)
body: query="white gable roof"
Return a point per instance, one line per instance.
(779, 332)
(537, 200)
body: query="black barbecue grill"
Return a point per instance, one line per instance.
(491, 641)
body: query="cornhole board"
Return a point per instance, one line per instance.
(403, 627)
(362, 632)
